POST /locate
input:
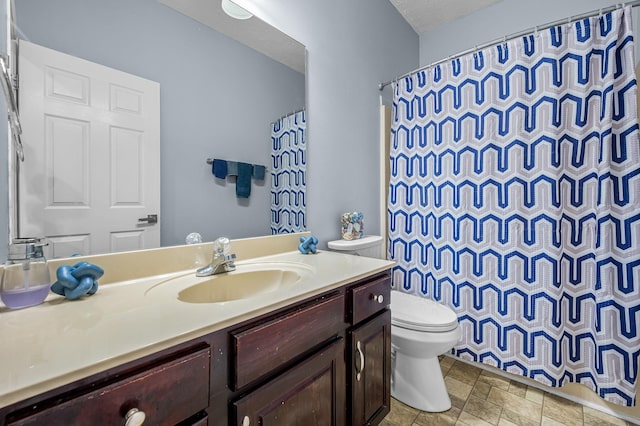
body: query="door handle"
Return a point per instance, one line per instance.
(150, 219)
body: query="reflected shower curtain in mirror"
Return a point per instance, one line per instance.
(288, 174)
(514, 200)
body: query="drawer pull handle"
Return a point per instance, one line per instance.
(246, 421)
(134, 417)
(361, 355)
(379, 298)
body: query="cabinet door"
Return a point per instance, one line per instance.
(371, 370)
(311, 393)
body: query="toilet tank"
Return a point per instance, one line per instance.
(368, 246)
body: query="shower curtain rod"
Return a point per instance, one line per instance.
(300, 110)
(495, 42)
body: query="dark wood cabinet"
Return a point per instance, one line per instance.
(321, 361)
(371, 370)
(369, 298)
(165, 394)
(264, 347)
(370, 350)
(311, 393)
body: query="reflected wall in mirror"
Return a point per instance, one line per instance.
(218, 99)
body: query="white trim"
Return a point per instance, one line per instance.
(11, 153)
(383, 183)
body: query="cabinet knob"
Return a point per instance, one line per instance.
(246, 421)
(134, 417)
(377, 298)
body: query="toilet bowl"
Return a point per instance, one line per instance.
(421, 329)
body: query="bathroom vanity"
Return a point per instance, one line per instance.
(316, 352)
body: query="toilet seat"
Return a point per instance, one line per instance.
(420, 314)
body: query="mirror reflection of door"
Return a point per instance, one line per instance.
(91, 175)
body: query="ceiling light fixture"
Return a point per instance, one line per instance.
(235, 11)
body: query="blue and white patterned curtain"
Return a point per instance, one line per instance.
(514, 200)
(288, 174)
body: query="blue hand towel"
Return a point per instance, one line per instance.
(219, 168)
(258, 172)
(243, 182)
(232, 168)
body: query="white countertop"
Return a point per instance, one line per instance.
(60, 341)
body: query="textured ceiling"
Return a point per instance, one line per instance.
(426, 15)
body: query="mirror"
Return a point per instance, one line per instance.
(219, 97)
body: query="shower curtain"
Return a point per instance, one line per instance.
(514, 200)
(288, 174)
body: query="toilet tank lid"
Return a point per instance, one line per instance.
(359, 244)
(420, 313)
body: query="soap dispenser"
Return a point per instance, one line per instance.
(25, 281)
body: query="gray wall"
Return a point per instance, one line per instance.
(217, 100)
(352, 46)
(501, 19)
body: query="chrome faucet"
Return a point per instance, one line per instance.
(222, 261)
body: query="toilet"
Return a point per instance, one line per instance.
(421, 329)
(368, 246)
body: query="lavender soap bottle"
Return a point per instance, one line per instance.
(26, 280)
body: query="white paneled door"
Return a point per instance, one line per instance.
(92, 155)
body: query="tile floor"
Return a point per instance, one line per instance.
(481, 398)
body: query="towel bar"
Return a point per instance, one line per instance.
(210, 161)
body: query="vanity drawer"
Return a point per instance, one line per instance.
(265, 347)
(167, 394)
(370, 298)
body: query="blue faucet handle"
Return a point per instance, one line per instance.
(308, 244)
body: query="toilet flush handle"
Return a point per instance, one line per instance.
(378, 298)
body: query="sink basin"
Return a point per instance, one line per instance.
(248, 280)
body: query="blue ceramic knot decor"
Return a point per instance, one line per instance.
(308, 245)
(75, 281)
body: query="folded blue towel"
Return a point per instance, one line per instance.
(232, 168)
(219, 168)
(258, 172)
(243, 182)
